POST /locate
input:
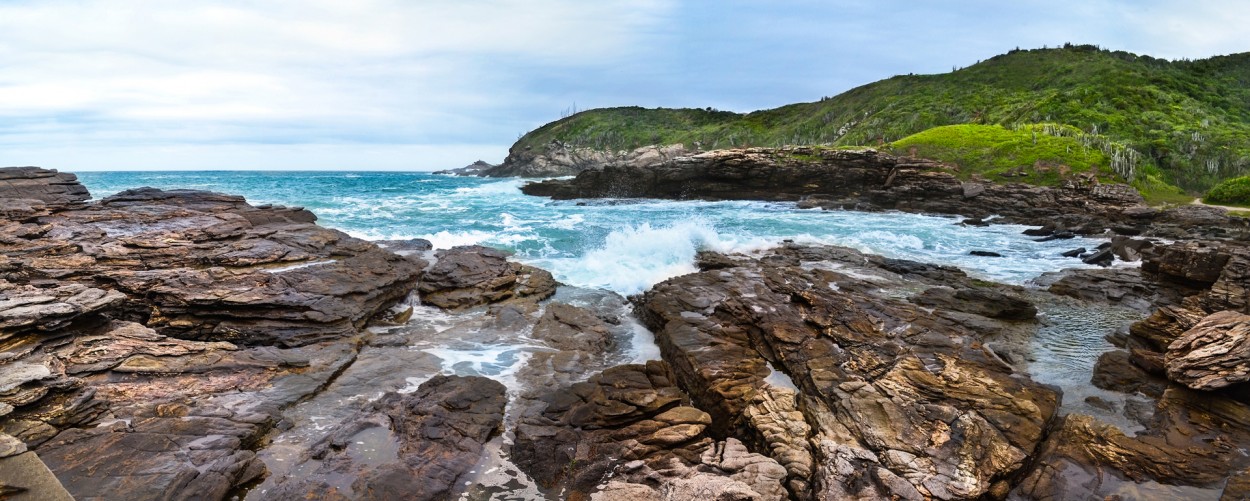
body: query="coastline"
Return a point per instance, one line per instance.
(177, 318)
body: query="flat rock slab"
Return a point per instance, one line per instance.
(25, 478)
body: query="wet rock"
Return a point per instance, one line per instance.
(416, 446)
(1058, 235)
(978, 301)
(984, 253)
(900, 401)
(1129, 249)
(568, 327)
(1100, 258)
(976, 221)
(1123, 286)
(1213, 354)
(1115, 371)
(473, 275)
(1074, 252)
(1191, 444)
(629, 422)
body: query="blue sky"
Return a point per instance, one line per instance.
(419, 85)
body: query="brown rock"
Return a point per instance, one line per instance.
(419, 445)
(1214, 354)
(474, 275)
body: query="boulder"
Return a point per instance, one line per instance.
(1213, 354)
(468, 276)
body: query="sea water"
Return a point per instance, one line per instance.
(621, 245)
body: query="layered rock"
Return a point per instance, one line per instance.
(899, 402)
(558, 159)
(864, 179)
(631, 424)
(473, 275)
(46, 186)
(1193, 442)
(415, 446)
(1214, 354)
(175, 323)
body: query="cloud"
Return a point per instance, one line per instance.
(94, 74)
(106, 84)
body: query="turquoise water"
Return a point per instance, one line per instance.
(622, 245)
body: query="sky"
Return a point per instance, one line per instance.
(435, 84)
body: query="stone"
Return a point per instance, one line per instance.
(1213, 354)
(24, 477)
(422, 444)
(899, 400)
(984, 253)
(978, 301)
(468, 276)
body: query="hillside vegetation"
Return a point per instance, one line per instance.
(1235, 191)
(1186, 122)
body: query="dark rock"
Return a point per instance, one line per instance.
(1115, 371)
(473, 275)
(1045, 230)
(978, 301)
(984, 253)
(1129, 249)
(1101, 258)
(474, 169)
(1058, 235)
(1100, 403)
(976, 221)
(1074, 252)
(864, 180)
(44, 185)
(1213, 354)
(629, 423)
(422, 444)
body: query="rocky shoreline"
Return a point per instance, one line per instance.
(188, 345)
(869, 180)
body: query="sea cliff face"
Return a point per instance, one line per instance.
(189, 345)
(557, 160)
(872, 180)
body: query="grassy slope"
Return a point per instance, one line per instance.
(1191, 120)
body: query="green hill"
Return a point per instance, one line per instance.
(1186, 122)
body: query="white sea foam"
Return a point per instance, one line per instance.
(636, 257)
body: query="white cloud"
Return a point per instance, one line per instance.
(146, 74)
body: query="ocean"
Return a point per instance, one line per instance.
(620, 245)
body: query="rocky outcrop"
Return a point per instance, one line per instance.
(473, 169)
(899, 402)
(559, 159)
(413, 446)
(1193, 442)
(865, 180)
(1213, 354)
(473, 275)
(43, 186)
(631, 424)
(150, 340)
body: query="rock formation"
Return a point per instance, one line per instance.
(558, 159)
